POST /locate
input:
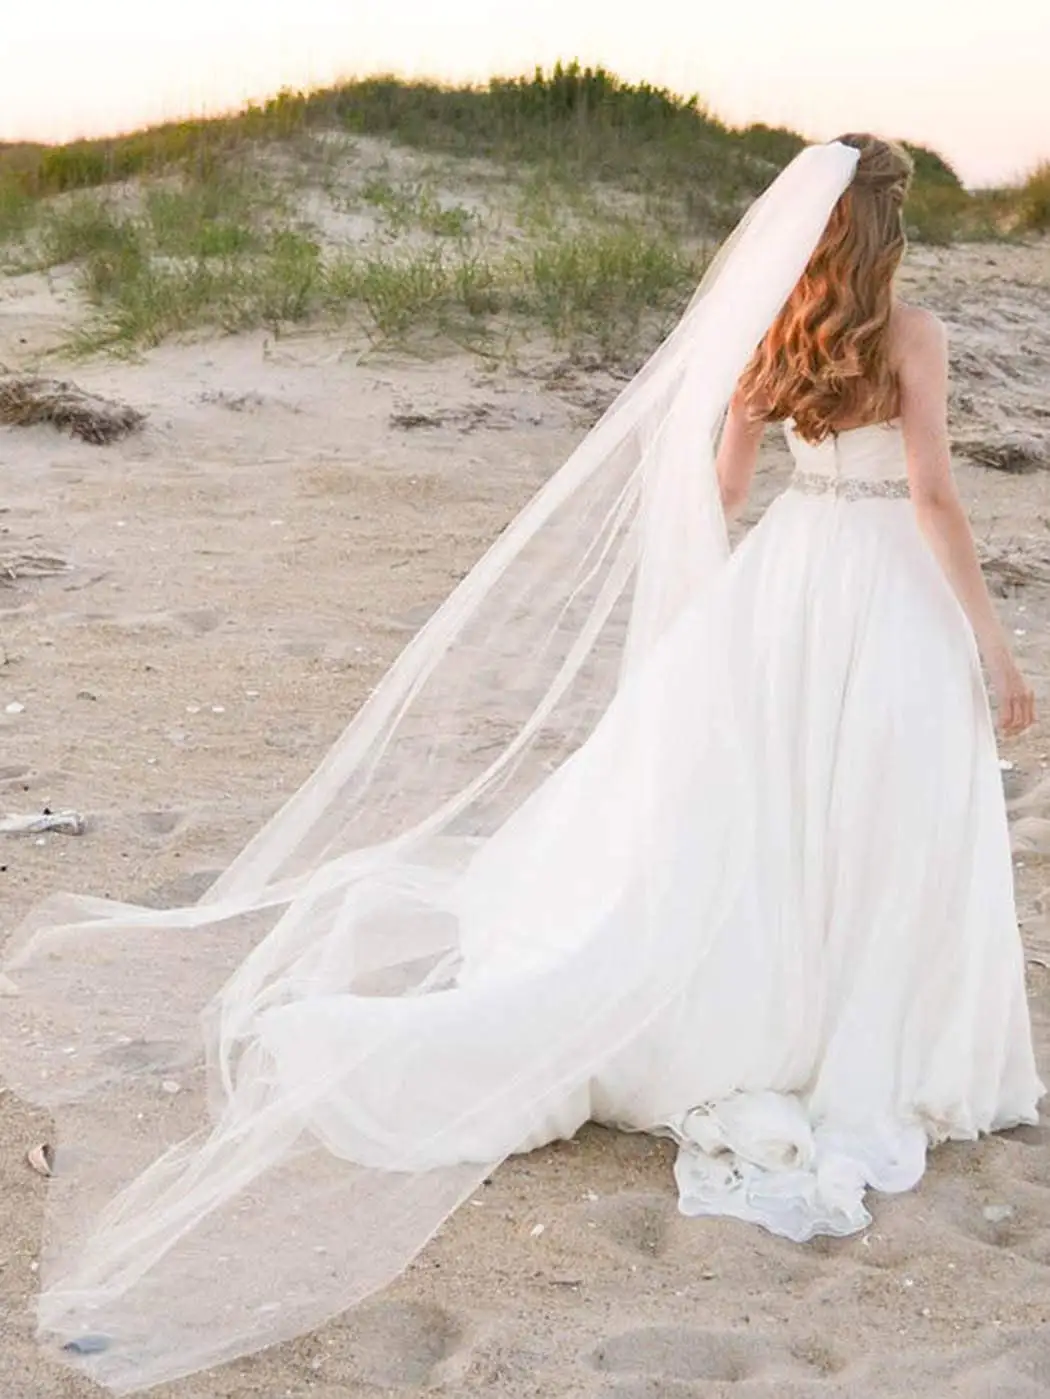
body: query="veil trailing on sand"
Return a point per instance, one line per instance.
(440, 936)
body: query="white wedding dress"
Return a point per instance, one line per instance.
(863, 995)
(834, 849)
(637, 830)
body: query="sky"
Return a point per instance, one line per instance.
(968, 77)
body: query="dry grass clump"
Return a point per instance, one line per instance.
(26, 400)
(1014, 453)
(15, 566)
(1015, 566)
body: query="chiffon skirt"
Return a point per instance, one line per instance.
(813, 838)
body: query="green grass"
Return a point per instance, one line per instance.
(83, 228)
(140, 302)
(601, 285)
(18, 212)
(1035, 199)
(601, 288)
(940, 214)
(571, 123)
(613, 191)
(413, 206)
(574, 120)
(206, 220)
(396, 292)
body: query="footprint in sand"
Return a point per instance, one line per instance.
(180, 892)
(679, 1353)
(777, 1388)
(1031, 1135)
(640, 1223)
(199, 621)
(301, 648)
(395, 1343)
(998, 1381)
(1037, 1250)
(673, 1362)
(1029, 1360)
(159, 823)
(1014, 1217)
(141, 1056)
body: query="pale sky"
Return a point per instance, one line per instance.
(969, 78)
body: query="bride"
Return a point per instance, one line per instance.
(638, 830)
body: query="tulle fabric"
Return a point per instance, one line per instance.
(524, 887)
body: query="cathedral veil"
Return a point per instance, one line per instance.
(422, 952)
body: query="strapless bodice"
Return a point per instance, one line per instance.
(859, 462)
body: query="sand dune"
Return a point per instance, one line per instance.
(239, 575)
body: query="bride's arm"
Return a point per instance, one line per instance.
(737, 454)
(921, 357)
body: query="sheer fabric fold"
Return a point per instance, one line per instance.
(449, 929)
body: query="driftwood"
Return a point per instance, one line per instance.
(67, 822)
(1014, 569)
(1014, 454)
(16, 566)
(26, 400)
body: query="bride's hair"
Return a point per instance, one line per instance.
(825, 358)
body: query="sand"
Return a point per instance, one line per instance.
(240, 574)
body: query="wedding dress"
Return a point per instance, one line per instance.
(636, 830)
(864, 994)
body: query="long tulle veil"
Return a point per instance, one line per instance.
(442, 933)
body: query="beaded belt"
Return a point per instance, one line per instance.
(849, 487)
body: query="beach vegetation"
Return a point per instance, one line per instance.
(566, 199)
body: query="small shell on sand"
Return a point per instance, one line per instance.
(42, 1159)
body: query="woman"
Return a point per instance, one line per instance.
(636, 830)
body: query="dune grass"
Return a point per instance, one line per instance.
(582, 287)
(212, 219)
(18, 211)
(405, 207)
(140, 299)
(574, 119)
(1035, 199)
(572, 123)
(614, 192)
(605, 282)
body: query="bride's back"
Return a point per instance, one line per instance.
(872, 452)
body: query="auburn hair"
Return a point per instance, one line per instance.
(825, 359)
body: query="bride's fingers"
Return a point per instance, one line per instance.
(1010, 716)
(1029, 709)
(1016, 714)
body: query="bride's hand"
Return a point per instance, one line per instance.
(1014, 698)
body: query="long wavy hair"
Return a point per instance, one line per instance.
(825, 359)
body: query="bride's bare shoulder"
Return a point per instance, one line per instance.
(915, 332)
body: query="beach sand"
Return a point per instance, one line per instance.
(241, 573)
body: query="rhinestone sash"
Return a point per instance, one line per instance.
(849, 487)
